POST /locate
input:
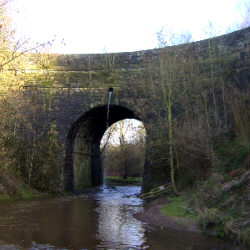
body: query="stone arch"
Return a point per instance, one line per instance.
(82, 160)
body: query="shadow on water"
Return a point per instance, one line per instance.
(100, 220)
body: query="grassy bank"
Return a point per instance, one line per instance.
(13, 188)
(23, 195)
(220, 202)
(179, 207)
(217, 210)
(116, 180)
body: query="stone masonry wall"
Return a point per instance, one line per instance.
(77, 84)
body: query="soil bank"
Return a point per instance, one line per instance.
(153, 214)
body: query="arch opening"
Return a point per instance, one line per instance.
(123, 152)
(83, 156)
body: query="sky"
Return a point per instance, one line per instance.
(98, 26)
(130, 128)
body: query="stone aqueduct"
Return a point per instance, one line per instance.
(74, 95)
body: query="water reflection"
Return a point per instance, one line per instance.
(103, 220)
(116, 225)
(69, 222)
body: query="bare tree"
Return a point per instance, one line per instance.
(168, 68)
(245, 15)
(125, 147)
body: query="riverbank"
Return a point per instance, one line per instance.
(13, 188)
(153, 214)
(215, 207)
(216, 201)
(83, 219)
(116, 180)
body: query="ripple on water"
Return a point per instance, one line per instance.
(98, 220)
(116, 225)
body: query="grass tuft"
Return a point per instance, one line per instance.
(116, 180)
(178, 207)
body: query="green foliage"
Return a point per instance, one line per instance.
(231, 153)
(24, 195)
(5, 197)
(28, 194)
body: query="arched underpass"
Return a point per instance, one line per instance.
(64, 95)
(83, 161)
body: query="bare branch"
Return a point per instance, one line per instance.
(3, 3)
(19, 54)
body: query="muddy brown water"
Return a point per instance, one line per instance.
(98, 220)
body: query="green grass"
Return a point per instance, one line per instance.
(28, 194)
(5, 197)
(24, 195)
(120, 180)
(178, 207)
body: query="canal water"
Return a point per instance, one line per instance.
(98, 220)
